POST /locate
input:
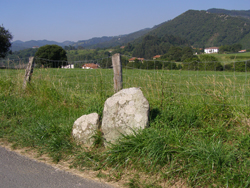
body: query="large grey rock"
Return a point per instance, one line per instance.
(84, 128)
(124, 112)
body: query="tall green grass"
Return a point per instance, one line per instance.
(198, 131)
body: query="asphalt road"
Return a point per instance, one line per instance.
(18, 171)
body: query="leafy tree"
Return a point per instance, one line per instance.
(210, 63)
(152, 45)
(230, 48)
(187, 52)
(129, 47)
(80, 48)
(105, 63)
(176, 53)
(107, 53)
(191, 64)
(51, 56)
(23, 53)
(69, 47)
(5, 44)
(243, 66)
(204, 63)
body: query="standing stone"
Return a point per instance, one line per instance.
(84, 128)
(124, 112)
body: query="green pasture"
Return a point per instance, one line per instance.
(232, 57)
(233, 88)
(198, 132)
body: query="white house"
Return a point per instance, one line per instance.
(211, 50)
(70, 66)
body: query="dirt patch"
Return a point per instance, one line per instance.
(247, 122)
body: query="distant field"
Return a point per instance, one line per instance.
(86, 54)
(75, 55)
(232, 57)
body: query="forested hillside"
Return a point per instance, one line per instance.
(119, 40)
(154, 45)
(240, 13)
(23, 53)
(204, 29)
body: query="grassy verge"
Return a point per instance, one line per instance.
(198, 134)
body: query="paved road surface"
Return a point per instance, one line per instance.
(17, 171)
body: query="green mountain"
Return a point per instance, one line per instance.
(20, 45)
(113, 41)
(96, 42)
(152, 45)
(205, 29)
(92, 41)
(214, 27)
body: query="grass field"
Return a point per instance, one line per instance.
(198, 133)
(232, 57)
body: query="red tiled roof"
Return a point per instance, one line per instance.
(134, 58)
(90, 65)
(157, 56)
(242, 50)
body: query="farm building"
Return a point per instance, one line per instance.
(242, 51)
(90, 66)
(70, 66)
(134, 58)
(157, 56)
(211, 50)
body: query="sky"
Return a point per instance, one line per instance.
(74, 20)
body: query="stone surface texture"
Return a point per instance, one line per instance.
(124, 112)
(84, 128)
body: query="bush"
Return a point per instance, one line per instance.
(51, 56)
(243, 66)
(204, 63)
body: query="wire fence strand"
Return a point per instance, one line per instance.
(207, 82)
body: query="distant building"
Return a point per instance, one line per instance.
(134, 58)
(35, 47)
(242, 51)
(70, 66)
(211, 50)
(157, 56)
(90, 66)
(122, 47)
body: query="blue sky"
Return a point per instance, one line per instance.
(74, 20)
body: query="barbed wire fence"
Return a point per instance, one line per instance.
(215, 83)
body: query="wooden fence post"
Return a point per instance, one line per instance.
(28, 72)
(117, 68)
